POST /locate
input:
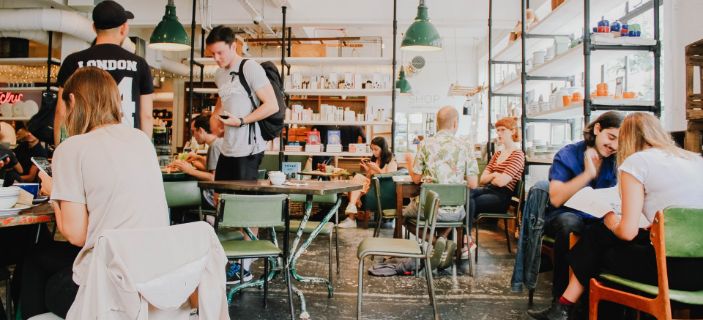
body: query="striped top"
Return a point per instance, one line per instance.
(512, 166)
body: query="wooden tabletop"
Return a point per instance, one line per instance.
(323, 174)
(318, 188)
(42, 213)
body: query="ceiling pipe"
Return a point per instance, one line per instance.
(23, 23)
(256, 16)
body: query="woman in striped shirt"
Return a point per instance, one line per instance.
(501, 174)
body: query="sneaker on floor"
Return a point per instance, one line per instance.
(347, 223)
(437, 250)
(351, 209)
(468, 249)
(233, 274)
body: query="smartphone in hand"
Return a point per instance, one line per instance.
(224, 116)
(43, 164)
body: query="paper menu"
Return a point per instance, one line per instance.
(598, 202)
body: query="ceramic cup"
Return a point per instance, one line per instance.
(277, 178)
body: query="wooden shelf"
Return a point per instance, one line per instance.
(30, 62)
(338, 123)
(320, 154)
(28, 89)
(574, 111)
(340, 92)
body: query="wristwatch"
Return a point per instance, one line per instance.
(241, 122)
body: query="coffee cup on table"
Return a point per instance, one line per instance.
(277, 178)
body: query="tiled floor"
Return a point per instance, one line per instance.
(485, 296)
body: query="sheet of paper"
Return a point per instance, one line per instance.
(596, 202)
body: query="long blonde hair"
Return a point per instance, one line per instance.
(640, 130)
(97, 100)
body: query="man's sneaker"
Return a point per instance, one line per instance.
(347, 223)
(437, 250)
(351, 209)
(233, 274)
(447, 256)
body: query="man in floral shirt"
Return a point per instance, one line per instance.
(443, 158)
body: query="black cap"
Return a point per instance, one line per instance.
(110, 14)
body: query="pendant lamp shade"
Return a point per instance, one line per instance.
(402, 84)
(169, 34)
(422, 34)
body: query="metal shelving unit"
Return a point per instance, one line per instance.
(589, 47)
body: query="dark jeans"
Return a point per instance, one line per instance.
(47, 284)
(18, 242)
(599, 250)
(559, 226)
(489, 199)
(238, 168)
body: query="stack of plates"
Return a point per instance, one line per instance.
(8, 197)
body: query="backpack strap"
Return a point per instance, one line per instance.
(245, 84)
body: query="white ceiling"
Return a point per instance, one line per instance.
(359, 17)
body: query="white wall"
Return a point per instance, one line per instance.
(682, 26)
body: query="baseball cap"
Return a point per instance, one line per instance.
(110, 14)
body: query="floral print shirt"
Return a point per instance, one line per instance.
(445, 158)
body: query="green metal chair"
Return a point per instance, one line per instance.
(249, 211)
(449, 195)
(328, 230)
(675, 233)
(515, 203)
(382, 199)
(418, 248)
(186, 195)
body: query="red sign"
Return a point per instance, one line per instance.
(10, 97)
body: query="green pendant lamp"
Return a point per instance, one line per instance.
(403, 83)
(422, 34)
(169, 34)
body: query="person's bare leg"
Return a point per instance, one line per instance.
(574, 290)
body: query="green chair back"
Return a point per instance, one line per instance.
(381, 193)
(328, 198)
(429, 213)
(684, 238)
(246, 211)
(182, 194)
(449, 194)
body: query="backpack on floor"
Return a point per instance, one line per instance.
(271, 126)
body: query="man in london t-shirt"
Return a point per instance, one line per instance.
(131, 72)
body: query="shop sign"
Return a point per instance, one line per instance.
(10, 97)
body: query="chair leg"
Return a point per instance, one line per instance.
(507, 235)
(336, 241)
(289, 284)
(530, 297)
(476, 241)
(430, 288)
(360, 289)
(266, 280)
(456, 239)
(329, 270)
(8, 299)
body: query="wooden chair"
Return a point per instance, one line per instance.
(676, 233)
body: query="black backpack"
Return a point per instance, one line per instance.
(272, 126)
(41, 125)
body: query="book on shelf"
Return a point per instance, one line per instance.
(290, 168)
(357, 148)
(334, 137)
(599, 202)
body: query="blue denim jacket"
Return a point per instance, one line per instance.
(530, 242)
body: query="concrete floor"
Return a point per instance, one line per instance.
(485, 296)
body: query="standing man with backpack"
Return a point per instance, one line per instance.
(243, 107)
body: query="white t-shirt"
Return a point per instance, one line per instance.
(213, 154)
(668, 180)
(236, 101)
(114, 171)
